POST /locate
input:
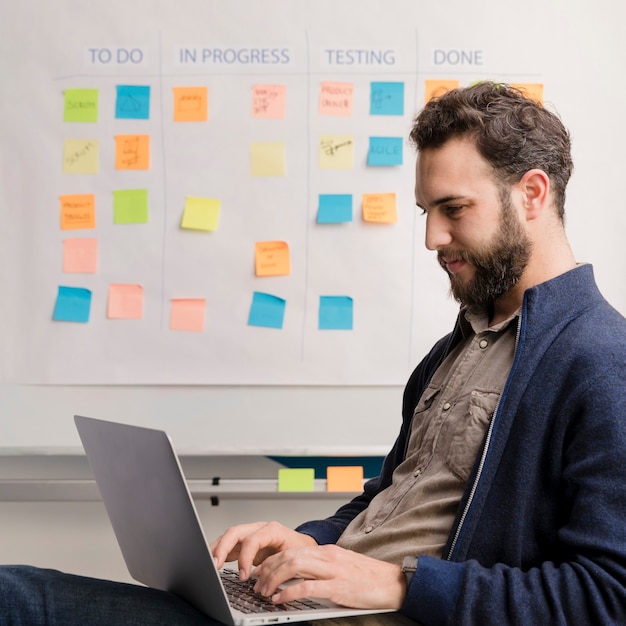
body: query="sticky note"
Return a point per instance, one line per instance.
(191, 104)
(78, 211)
(81, 105)
(344, 478)
(73, 304)
(386, 98)
(266, 310)
(125, 302)
(80, 256)
(336, 152)
(334, 208)
(132, 152)
(335, 313)
(187, 314)
(267, 158)
(201, 214)
(80, 156)
(436, 88)
(132, 102)
(380, 207)
(271, 258)
(296, 479)
(385, 151)
(336, 98)
(130, 206)
(534, 91)
(269, 101)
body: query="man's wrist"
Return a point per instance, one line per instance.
(409, 565)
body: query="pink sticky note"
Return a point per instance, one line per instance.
(187, 314)
(125, 302)
(336, 98)
(269, 101)
(80, 256)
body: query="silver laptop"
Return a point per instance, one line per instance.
(160, 535)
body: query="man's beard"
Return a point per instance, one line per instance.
(498, 267)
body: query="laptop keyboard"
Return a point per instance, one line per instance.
(243, 597)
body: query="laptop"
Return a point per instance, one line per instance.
(159, 532)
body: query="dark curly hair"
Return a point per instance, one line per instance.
(512, 132)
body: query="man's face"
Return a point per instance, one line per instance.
(471, 223)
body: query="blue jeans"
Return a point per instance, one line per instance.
(30, 596)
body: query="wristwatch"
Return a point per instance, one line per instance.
(409, 565)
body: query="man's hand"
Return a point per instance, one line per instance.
(343, 576)
(251, 544)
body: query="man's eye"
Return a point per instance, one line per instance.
(453, 209)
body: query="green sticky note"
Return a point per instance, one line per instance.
(296, 479)
(201, 214)
(130, 206)
(81, 105)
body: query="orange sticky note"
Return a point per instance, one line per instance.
(336, 98)
(534, 91)
(125, 302)
(272, 258)
(344, 478)
(187, 314)
(132, 152)
(380, 208)
(80, 256)
(191, 104)
(78, 211)
(269, 101)
(436, 88)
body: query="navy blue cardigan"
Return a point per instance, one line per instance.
(540, 535)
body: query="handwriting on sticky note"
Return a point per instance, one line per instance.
(380, 208)
(296, 479)
(386, 98)
(385, 151)
(80, 256)
(191, 104)
(78, 211)
(132, 152)
(336, 98)
(271, 258)
(436, 88)
(80, 156)
(201, 214)
(187, 314)
(336, 152)
(125, 302)
(269, 101)
(132, 102)
(267, 158)
(344, 478)
(81, 105)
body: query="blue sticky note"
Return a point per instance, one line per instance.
(334, 208)
(72, 305)
(385, 151)
(336, 313)
(387, 99)
(132, 102)
(266, 310)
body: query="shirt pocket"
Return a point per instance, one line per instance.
(470, 433)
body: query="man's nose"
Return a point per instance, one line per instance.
(437, 231)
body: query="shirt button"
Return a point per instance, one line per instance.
(483, 343)
(368, 530)
(417, 472)
(446, 406)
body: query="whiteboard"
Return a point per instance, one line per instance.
(319, 388)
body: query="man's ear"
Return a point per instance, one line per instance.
(534, 188)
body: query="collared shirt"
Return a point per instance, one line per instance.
(414, 515)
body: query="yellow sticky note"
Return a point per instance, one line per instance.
(187, 314)
(132, 152)
(336, 98)
(267, 158)
(344, 478)
(271, 258)
(534, 91)
(436, 88)
(191, 104)
(80, 156)
(78, 211)
(380, 207)
(336, 152)
(80, 256)
(125, 302)
(296, 479)
(201, 214)
(269, 101)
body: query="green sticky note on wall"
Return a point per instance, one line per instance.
(81, 105)
(130, 206)
(296, 479)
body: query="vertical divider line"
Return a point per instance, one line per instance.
(164, 157)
